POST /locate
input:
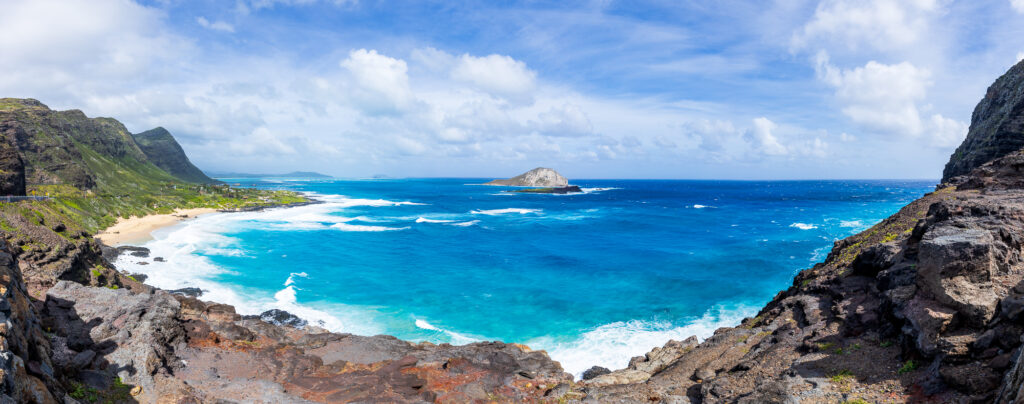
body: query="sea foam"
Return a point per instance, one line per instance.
(425, 220)
(187, 246)
(612, 345)
(495, 212)
(803, 226)
(359, 227)
(454, 337)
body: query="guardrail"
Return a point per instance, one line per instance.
(14, 198)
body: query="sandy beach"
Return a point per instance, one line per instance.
(138, 229)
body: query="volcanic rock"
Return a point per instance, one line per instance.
(537, 177)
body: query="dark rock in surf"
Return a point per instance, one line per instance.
(280, 317)
(189, 292)
(572, 189)
(595, 372)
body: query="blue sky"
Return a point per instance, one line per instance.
(784, 89)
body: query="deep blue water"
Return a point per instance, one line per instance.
(594, 278)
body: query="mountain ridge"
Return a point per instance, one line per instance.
(163, 150)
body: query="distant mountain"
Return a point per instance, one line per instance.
(165, 152)
(293, 174)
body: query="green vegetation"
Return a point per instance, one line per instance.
(753, 322)
(96, 211)
(118, 392)
(886, 344)
(908, 367)
(82, 392)
(841, 376)
(856, 401)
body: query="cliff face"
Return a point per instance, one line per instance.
(537, 177)
(12, 170)
(997, 125)
(162, 150)
(26, 370)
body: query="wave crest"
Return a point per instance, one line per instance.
(359, 227)
(496, 212)
(612, 345)
(803, 226)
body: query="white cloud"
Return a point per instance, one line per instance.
(496, 74)
(568, 120)
(216, 26)
(814, 147)
(876, 24)
(83, 46)
(1018, 5)
(1020, 55)
(478, 120)
(763, 140)
(946, 133)
(880, 97)
(247, 6)
(885, 99)
(380, 84)
(664, 142)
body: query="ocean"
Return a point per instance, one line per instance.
(593, 278)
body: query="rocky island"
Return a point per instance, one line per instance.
(926, 306)
(543, 180)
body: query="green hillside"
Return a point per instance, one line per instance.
(96, 171)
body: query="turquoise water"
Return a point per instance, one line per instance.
(593, 278)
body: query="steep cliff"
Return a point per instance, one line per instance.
(997, 125)
(12, 170)
(162, 150)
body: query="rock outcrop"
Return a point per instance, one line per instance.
(162, 150)
(26, 371)
(537, 177)
(997, 125)
(160, 347)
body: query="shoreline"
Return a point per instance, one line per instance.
(138, 229)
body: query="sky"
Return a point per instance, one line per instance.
(783, 89)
